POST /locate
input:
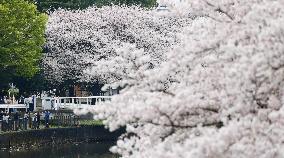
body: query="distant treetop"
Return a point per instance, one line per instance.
(44, 5)
(21, 39)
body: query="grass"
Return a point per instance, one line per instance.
(42, 126)
(91, 122)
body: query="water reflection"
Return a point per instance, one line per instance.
(90, 150)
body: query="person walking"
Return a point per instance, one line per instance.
(34, 125)
(16, 121)
(46, 118)
(52, 103)
(1, 100)
(1, 115)
(4, 123)
(6, 118)
(1, 120)
(25, 123)
(37, 120)
(5, 99)
(21, 100)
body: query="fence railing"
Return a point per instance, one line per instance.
(57, 120)
(13, 106)
(64, 120)
(80, 102)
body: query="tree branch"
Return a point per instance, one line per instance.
(218, 9)
(217, 124)
(225, 13)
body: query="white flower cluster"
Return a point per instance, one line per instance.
(75, 39)
(219, 93)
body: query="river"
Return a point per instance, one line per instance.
(87, 150)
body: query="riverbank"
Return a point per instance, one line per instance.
(56, 136)
(74, 150)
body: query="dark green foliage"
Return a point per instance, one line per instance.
(22, 30)
(45, 5)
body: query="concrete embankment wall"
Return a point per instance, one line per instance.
(55, 136)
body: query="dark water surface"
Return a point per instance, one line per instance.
(88, 150)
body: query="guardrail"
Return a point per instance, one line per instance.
(13, 106)
(57, 120)
(76, 102)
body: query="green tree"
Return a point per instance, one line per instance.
(22, 29)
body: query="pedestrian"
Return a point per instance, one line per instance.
(16, 121)
(4, 124)
(1, 100)
(26, 115)
(5, 99)
(21, 99)
(52, 103)
(30, 105)
(1, 115)
(7, 116)
(46, 118)
(26, 102)
(1, 120)
(6, 121)
(34, 121)
(37, 119)
(25, 123)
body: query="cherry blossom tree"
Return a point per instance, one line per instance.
(75, 39)
(218, 93)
